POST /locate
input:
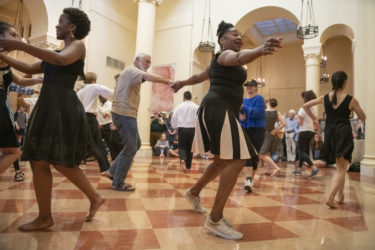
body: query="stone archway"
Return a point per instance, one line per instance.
(337, 45)
(284, 72)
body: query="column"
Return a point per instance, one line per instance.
(368, 163)
(144, 43)
(312, 57)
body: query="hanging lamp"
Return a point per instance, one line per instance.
(307, 28)
(207, 43)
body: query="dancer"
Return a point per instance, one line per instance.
(124, 115)
(58, 132)
(253, 120)
(305, 136)
(338, 143)
(184, 119)
(89, 95)
(9, 145)
(218, 129)
(271, 136)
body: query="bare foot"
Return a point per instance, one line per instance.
(275, 172)
(94, 206)
(341, 198)
(331, 204)
(37, 224)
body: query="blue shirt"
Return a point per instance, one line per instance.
(291, 125)
(254, 110)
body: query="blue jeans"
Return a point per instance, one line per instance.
(127, 126)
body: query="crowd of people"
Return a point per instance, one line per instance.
(65, 128)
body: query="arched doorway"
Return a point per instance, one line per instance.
(337, 45)
(284, 72)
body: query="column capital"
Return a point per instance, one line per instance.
(311, 51)
(156, 2)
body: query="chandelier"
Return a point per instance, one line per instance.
(261, 81)
(324, 78)
(307, 28)
(207, 43)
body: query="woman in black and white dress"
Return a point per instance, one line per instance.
(218, 129)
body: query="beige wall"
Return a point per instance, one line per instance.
(339, 53)
(284, 73)
(173, 37)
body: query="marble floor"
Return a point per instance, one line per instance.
(284, 212)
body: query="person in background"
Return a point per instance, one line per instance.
(253, 121)
(305, 136)
(184, 120)
(157, 128)
(271, 136)
(162, 146)
(88, 95)
(338, 143)
(108, 131)
(291, 130)
(171, 132)
(317, 145)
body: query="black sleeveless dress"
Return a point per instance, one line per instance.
(217, 129)
(338, 139)
(58, 130)
(8, 138)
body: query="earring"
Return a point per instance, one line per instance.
(71, 33)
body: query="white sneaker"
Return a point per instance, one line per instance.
(221, 229)
(195, 202)
(248, 185)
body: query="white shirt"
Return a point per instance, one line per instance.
(185, 115)
(88, 95)
(307, 124)
(104, 110)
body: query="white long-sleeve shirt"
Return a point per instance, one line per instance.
(185, 115)
(104, 115)
(89, 96)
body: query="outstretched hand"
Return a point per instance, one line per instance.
(175, 86)
(9, 44)
(272, 45)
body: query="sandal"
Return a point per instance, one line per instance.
(125, 187)
(19, 176)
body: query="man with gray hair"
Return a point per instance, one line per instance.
(291, 130)
(125, 105)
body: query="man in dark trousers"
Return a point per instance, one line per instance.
(184, 118)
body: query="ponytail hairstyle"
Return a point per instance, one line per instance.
(4, 27)
(338, 80)
(221, 30)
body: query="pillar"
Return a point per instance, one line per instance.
(368, 163)
(144, 43)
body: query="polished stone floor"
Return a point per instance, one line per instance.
(284, 212)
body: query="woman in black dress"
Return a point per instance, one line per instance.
(9, 145)
(218, 129)
(338, 143)
(58, 130)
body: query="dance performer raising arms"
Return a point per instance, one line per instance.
(338, 142)
(218, 129)
(58, 129)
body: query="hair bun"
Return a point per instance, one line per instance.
(223, 27)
